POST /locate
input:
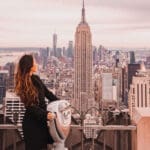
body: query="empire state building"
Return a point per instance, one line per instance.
(83, 65)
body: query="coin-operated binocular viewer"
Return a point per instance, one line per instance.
(59, 127)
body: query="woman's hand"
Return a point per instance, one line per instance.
(51, 116)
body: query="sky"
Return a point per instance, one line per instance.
(113, 23)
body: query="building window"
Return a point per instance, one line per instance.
(137, 95)
(133, 90)
(141, 95)
(146, 95)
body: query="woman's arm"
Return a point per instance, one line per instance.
(49, 95)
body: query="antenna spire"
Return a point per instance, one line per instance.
(83, 3)
(83, 13)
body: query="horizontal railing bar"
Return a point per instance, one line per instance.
(98, 127)
(9, 127)
(107, 127)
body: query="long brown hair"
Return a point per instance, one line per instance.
(24, 87)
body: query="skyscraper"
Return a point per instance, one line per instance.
(83, 64)
(107, 86)
(132, 69)
(11, 69)
(139, 96)
(95, 55)
(54, 44)
(148, 62)
(117, 59)
(139, 106)
(70, 49)
(124, 84)
(3, 82)
(14, 109)
(48, 51)
(132, 57)
(102, 51)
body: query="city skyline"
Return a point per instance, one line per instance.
(113, 23)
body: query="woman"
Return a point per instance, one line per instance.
(32, 92)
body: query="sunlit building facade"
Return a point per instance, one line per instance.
(83, 64)
(139, 94)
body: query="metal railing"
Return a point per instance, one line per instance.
(8, 128)
(102, 129)
(106, 129)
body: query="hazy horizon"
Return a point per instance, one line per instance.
(114, 23)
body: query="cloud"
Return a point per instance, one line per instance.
(36, 20)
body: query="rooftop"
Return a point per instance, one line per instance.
(144, 112)
(4, 72)
(11, 95)
(139, 113)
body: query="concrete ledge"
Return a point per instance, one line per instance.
(141, 137)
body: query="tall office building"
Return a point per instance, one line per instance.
(117, 59)
(14, 109)
(44, 56)
(70, 49)
(83, 65)
(132, 57)
(139, 94)
(48, 51)
(13, 105)
(3, 84)
(59, 52)
(124, 81)
(55, 44)
(132, 69)
(11, 69)
(148, 62)
(139, 106)
(107, 91)
(95, 55)
(102, 51)
(110, 87)
(64, 53)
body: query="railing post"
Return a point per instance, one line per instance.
(93, 139)
(104, 142)
(126, 139)
(3, 143)
(82, 127)
(115, 140)
(14, 140)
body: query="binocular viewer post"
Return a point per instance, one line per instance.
(59, 127)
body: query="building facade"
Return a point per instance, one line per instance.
(70, 49)
(83, 64)
(107, 86)
(3, 84)
(139, 94)
(14, 109)
(11, 77)
(132, 69)
(55, 44)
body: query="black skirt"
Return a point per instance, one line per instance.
(36, 133)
